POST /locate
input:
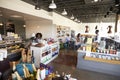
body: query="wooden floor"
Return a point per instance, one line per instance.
(66, 62)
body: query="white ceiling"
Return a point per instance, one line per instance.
(6, 13)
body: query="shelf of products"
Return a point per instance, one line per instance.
(62, 31)
(45, 54)
(101, 65)
(101, 57)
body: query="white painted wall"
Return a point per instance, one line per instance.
(102, 27)
(118, 26)
(63, 21)
(46, 28)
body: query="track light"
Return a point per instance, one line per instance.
(52, 5)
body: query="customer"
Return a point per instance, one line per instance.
(67, 41)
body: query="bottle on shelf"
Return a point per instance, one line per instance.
(29, 56)
(38, 75)
(24, 56)
(32, 57)
(18, 76)
(26, 71)
(14, 66)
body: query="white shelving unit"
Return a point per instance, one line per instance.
(45, 54)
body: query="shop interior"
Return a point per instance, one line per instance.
(79, 45)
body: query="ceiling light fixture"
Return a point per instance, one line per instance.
(1, 24)
(64, 12)
(72, 17)
(76, 20)
(52, 5)
(16, 16)
(117, 3)
(37, 6)
(95, 0)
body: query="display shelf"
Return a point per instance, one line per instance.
(105, 56)
(50, 59)
(45, 54)
(102, 60)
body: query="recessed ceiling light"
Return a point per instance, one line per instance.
(15, 16)
(94, 1)
(1, 24)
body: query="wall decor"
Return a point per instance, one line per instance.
(86, 29)
(109, 29)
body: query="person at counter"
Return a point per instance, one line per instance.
(38, 38)
(78, 41)
(97, 37)
(35, 40)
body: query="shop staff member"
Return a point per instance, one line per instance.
(97, 37)
(38, 38)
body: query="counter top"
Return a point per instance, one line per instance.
(92, 65)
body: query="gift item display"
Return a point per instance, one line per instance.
(27, 71)
(103, 50)
(101, 57)
(45, 54)
(9, 44)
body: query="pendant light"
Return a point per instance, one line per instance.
(52, 5)
(76, 20)
(37, 6)
(72, 17)
(95, 0)
(64, 12)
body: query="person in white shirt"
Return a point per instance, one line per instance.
(78, 41)
(97, 37)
